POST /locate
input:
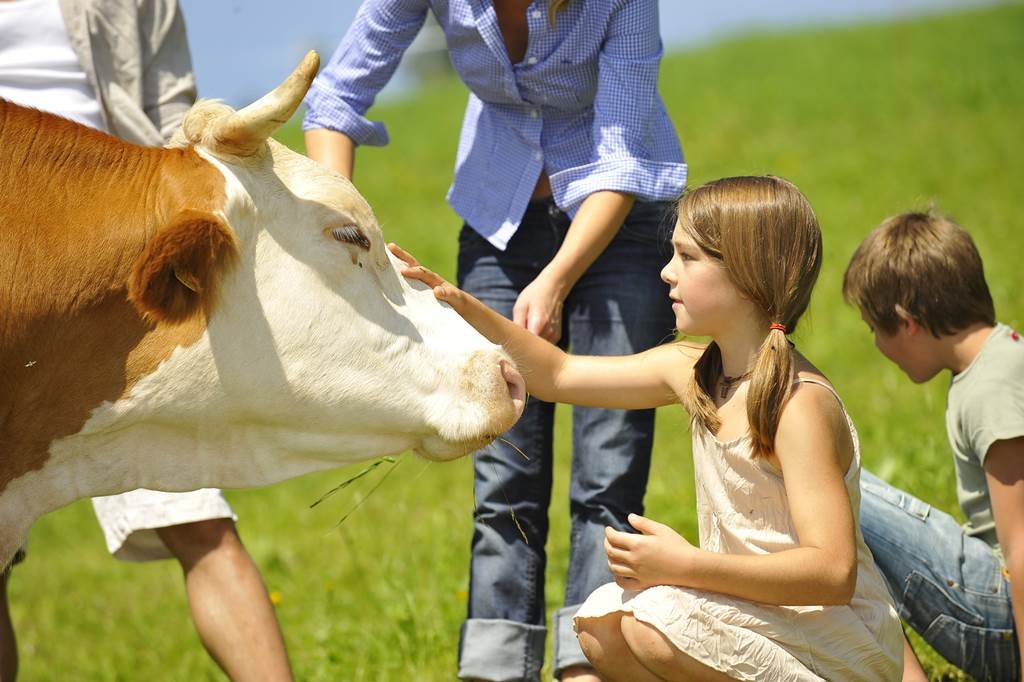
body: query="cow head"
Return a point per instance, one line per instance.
(314, 347)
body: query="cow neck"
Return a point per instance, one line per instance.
(77, 209)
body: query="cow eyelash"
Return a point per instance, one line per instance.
(350, 234)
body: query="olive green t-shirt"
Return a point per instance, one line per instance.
(985, 405)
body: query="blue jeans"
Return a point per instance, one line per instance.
(619, 306)
(948, 586)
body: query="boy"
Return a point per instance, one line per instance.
(920, 286)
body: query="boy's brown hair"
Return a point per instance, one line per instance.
(926, 264)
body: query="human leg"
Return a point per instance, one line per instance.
(228, 600)
(620, 647)
(947, 586)
(611, 459)
(503, 636)
(605, 646)
(653, 650)
(579, 673)
(745, 640)
(619, 307)
(8, 642)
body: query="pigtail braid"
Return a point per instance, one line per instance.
(697, 396)
(771, 382)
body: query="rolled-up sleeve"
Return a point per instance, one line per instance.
(361, 66)
(634, 146)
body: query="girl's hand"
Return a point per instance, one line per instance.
(443, 290)
(659, 556)
(539, 308)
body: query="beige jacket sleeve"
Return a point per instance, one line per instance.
(168, 83)
(136, 56)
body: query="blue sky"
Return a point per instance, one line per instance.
(243, 48)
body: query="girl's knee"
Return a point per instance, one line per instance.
(654, 652)
(601, 638)
(647, 644)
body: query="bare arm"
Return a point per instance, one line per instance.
(822, 570)
(539, 306)
(346, 88)
(648, 379)
(1004, 469)
(332, 149)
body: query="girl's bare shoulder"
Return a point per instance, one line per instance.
(813, 417)
(812, 400)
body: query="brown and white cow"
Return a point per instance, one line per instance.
(221, 312)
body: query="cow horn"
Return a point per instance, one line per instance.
(245, 130)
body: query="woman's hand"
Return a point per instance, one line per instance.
(443, 290)
(659, 556)
(539, 308)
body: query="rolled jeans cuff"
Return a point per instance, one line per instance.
(567, 645)
(501, 650)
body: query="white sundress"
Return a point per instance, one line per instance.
(742, 509)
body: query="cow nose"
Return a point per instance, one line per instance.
(516, 386)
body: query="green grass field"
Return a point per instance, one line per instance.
(868, 121)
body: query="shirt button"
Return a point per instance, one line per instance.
(536, 14)
(534, 113)
(531, 60)
(538, 156)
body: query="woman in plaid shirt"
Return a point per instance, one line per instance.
(566, 168)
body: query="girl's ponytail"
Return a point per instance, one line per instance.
(771, 381)
(697, 396)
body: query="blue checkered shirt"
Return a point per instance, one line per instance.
(583, 105)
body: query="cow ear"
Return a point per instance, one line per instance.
(176, 276)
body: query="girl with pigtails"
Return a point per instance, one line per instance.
(782, 586)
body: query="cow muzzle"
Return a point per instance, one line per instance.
(490, 398)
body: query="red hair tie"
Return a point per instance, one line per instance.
(780, 327)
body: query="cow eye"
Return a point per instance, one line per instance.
(350, 234)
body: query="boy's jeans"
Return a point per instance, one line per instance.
(948, 586)
(619, 306)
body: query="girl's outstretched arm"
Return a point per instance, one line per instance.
(814, 449)
(649, 379)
